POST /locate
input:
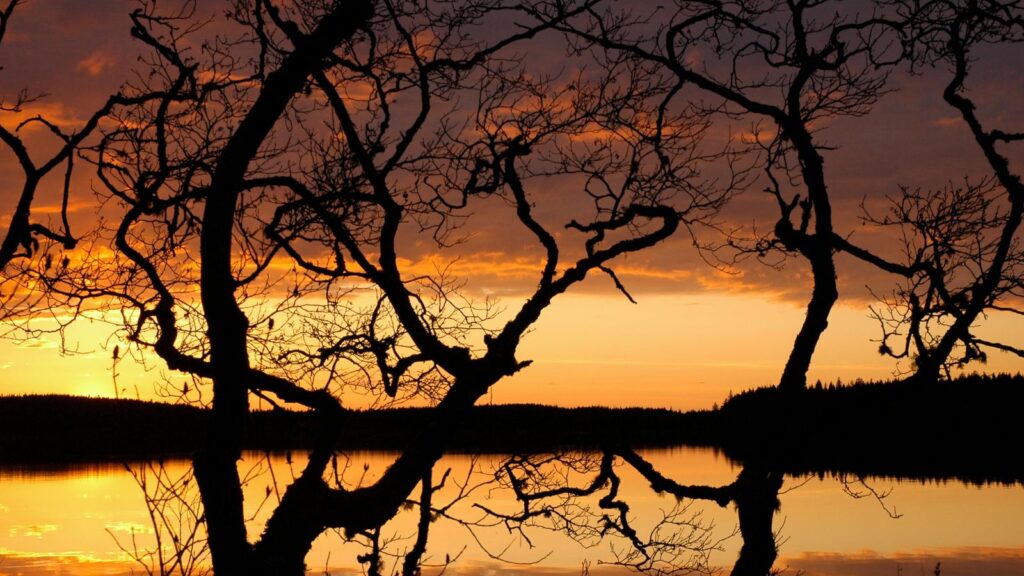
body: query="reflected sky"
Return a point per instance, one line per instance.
(71, 522)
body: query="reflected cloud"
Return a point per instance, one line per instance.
(496, 568)
(32, 530)
(128, 527)
(962, 560)
(62, 564)
(39, 342)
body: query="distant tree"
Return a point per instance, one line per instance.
(786, 66)
(962, 249)
(271, 196)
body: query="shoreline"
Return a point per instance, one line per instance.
(964, 429)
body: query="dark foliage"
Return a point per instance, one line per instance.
(950, 429)
(958, 429)
(69, 429)
(51, 429)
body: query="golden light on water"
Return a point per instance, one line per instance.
(72, 521)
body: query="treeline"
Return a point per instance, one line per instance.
(964, 429)
(67, 428)
(43, 429)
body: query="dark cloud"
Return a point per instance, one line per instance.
(79, 52)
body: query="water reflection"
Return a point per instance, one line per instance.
(93, 520)
(39, 471)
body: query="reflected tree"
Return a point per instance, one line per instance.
(174, 542)
(406, 553)
(680, 542)
(287, 189)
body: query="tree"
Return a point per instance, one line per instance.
(680, 543)
(273, 174)
(791, 65)
(24, 244)
(21, 237)
(174, 511)
(20, 241)
(961, 244)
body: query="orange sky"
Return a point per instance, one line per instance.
(696, 334)
(673, 350)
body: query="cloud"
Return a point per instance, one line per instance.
(96, 63)
(32, 530)
(28, 564)
(38, 342)
(959, 560)
(55, 112)
(56, 208)
(948, 122)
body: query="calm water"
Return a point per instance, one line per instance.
(94, 520)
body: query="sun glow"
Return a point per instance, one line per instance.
(682, 351)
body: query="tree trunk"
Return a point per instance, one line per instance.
(823, 297)
(757, 500)
(215, 465)
(217, 477)
(817, 248)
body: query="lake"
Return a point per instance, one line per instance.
(94, 520)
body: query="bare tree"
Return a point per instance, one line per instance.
(277, 172)
(950, 238)
(788, 66)
(680, 543)
(174, 511)
(21, 239)
(962, 249)
(25, 244)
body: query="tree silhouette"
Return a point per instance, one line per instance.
(276, 172)
(174, 513)
(21, 238)
(961, 244)
(785, 65)
(680, 543)
(23, 246)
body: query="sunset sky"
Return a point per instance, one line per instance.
(706, 324)
(696, 334)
